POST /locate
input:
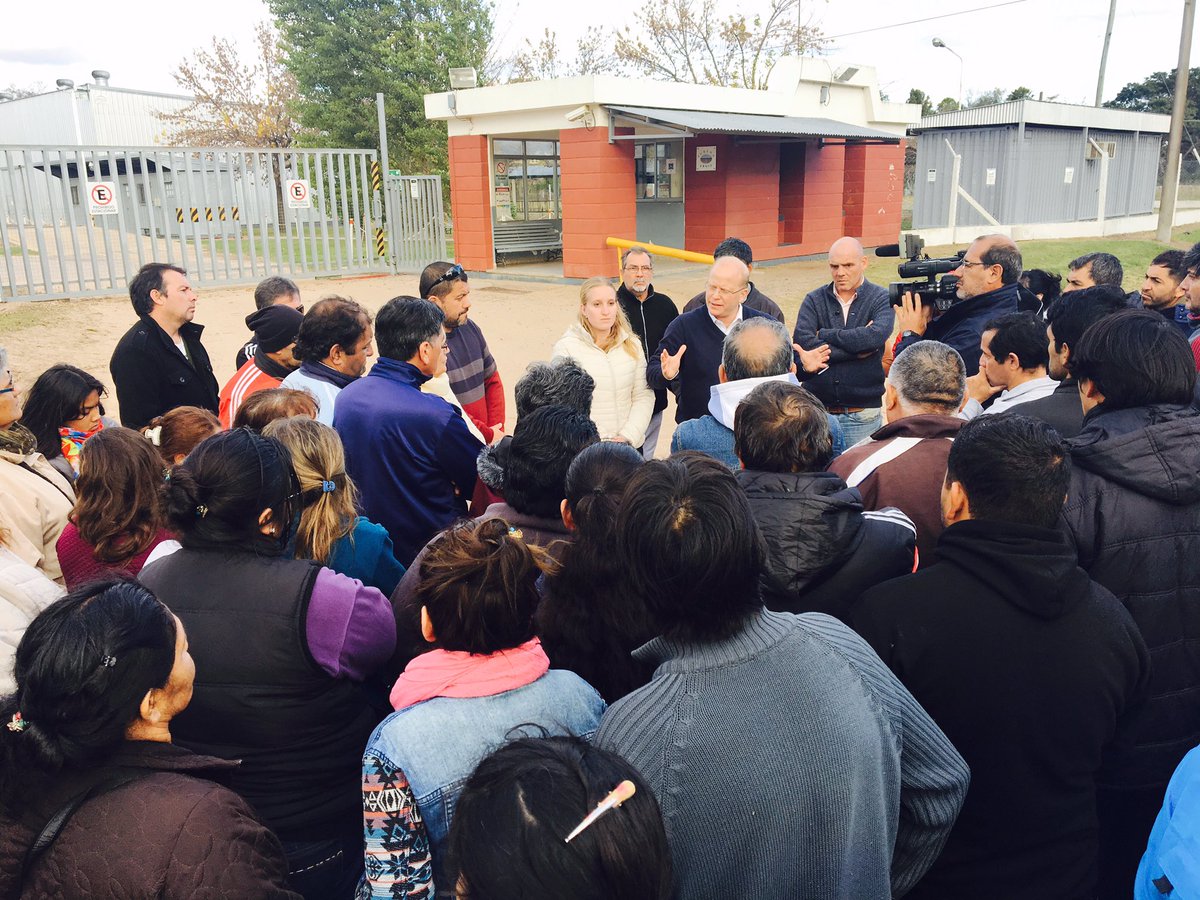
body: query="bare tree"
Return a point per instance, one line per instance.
(545, 59)
(236, 103)
(688, 41)
(20, 93)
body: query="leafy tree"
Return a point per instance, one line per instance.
(344, 51)
(920, 97)
(947, 104)
(236, 103)
(1021, 93)
(985, 98)
(1156, 93)
(688, 41)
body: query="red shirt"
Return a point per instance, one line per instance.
(249, 379)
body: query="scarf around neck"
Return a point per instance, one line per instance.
(18, 439)
(268, 365)
(457, 673)
(322, 372)
(72, 443)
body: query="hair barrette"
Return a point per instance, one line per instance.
(328, 487)
(108, 662)
(615, 798)
(17, 724)
(201, 511)
(515, 532)
(154, 435)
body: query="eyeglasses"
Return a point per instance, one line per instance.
(966, 264)
(725, 292)
(453, 273)
(12, 385)
(640, 270)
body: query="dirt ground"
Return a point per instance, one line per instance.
(521, 320)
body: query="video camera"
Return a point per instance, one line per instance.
(941, 292)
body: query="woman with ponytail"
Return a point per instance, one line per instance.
(330, 530)
(486, 677)
(89, 774)
(283, 647)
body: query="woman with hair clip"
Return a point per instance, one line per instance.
(63, 409)
(330, 530)
(176, 432)
(95, 799)
(282, 646)
(486, 677)
(604, 344)
(586, 621)
(118, 517)
(509, 839)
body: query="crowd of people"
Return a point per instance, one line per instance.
(912, 608)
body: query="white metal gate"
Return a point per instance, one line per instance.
(416, 224)
(80, 221)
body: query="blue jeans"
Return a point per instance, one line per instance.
(859, 425)
(327, 869)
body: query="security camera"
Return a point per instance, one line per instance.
(579, 113)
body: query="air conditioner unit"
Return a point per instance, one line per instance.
(1109, 148)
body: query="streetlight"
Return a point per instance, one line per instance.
(938, 42)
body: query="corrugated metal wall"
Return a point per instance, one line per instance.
(1045, 177)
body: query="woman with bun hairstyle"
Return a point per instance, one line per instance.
(486, 677)
(118, 518)
(101, 676)
(177, 431)
(508, 841)
(64, 409)
(602, 341)
(330, 529)
(282, 647)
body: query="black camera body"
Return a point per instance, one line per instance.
(940, 292)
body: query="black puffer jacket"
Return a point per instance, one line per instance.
(823, 551)
(1133, 513)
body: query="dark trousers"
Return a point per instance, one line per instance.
(326, 869)
(1126, 818)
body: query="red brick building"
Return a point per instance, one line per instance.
(544, 167)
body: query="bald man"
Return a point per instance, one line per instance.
(689, 355)
(854, 318)
(987, 289)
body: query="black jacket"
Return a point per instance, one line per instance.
(1030, 668)
(649, 319)
(849, 380)
(151, 375)
(823, 551)
(961, 326)
(1133, 514)
(1061, 409)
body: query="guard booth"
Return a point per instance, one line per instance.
(548, 170)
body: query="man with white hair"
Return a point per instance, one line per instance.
(904, 462)
(689, 355)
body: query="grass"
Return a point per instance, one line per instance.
(15, 250)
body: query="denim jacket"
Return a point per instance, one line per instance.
(422, 755)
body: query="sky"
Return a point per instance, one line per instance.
(1050, 46)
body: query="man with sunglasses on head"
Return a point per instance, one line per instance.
(471, 369)
(649, 314)
(987, 289)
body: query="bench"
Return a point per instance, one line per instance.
(539, 236)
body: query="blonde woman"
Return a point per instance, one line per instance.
(330, 531)
(602, 342)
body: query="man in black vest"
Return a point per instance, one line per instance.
(160, 363)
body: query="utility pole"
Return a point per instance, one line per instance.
(383, 147)
(1170, 188)
(1112, 14)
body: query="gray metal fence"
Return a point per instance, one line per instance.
(416, 224)
(79, 221)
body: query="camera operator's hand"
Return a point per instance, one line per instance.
(980, 389)
(813, 360)
(912, 314)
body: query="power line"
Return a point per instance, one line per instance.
(961, 12)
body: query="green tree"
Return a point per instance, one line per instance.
(344, 51)
(1156, 93)
(1021, 93)
(947, 104)
(985, 98)
(921, 98)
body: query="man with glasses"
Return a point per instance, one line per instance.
(688, 357)
(987, 289)
(471, 371)
(649, 314)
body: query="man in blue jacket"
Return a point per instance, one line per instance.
(987, 289)
(410, 453)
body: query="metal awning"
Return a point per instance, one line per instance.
(687, 123)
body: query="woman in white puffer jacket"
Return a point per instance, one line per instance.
(602, 342)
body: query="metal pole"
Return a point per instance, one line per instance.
(383, 147)
(1170, 191)
(1112, 13)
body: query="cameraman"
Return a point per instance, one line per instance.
(987, 289)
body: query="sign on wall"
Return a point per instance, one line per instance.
(706, 159)
(102, 198)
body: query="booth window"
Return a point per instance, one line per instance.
(659, 168)
(525, 179)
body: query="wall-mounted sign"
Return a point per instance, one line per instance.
(931, 176)
(706, 159)
(990, 177)
(668, 166)
(1069, 175)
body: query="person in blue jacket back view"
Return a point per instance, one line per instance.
(1171, 866)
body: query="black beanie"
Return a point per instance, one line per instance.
(275, 327)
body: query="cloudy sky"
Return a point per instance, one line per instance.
(1050, 46)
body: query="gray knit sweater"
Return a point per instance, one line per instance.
(789, 762)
